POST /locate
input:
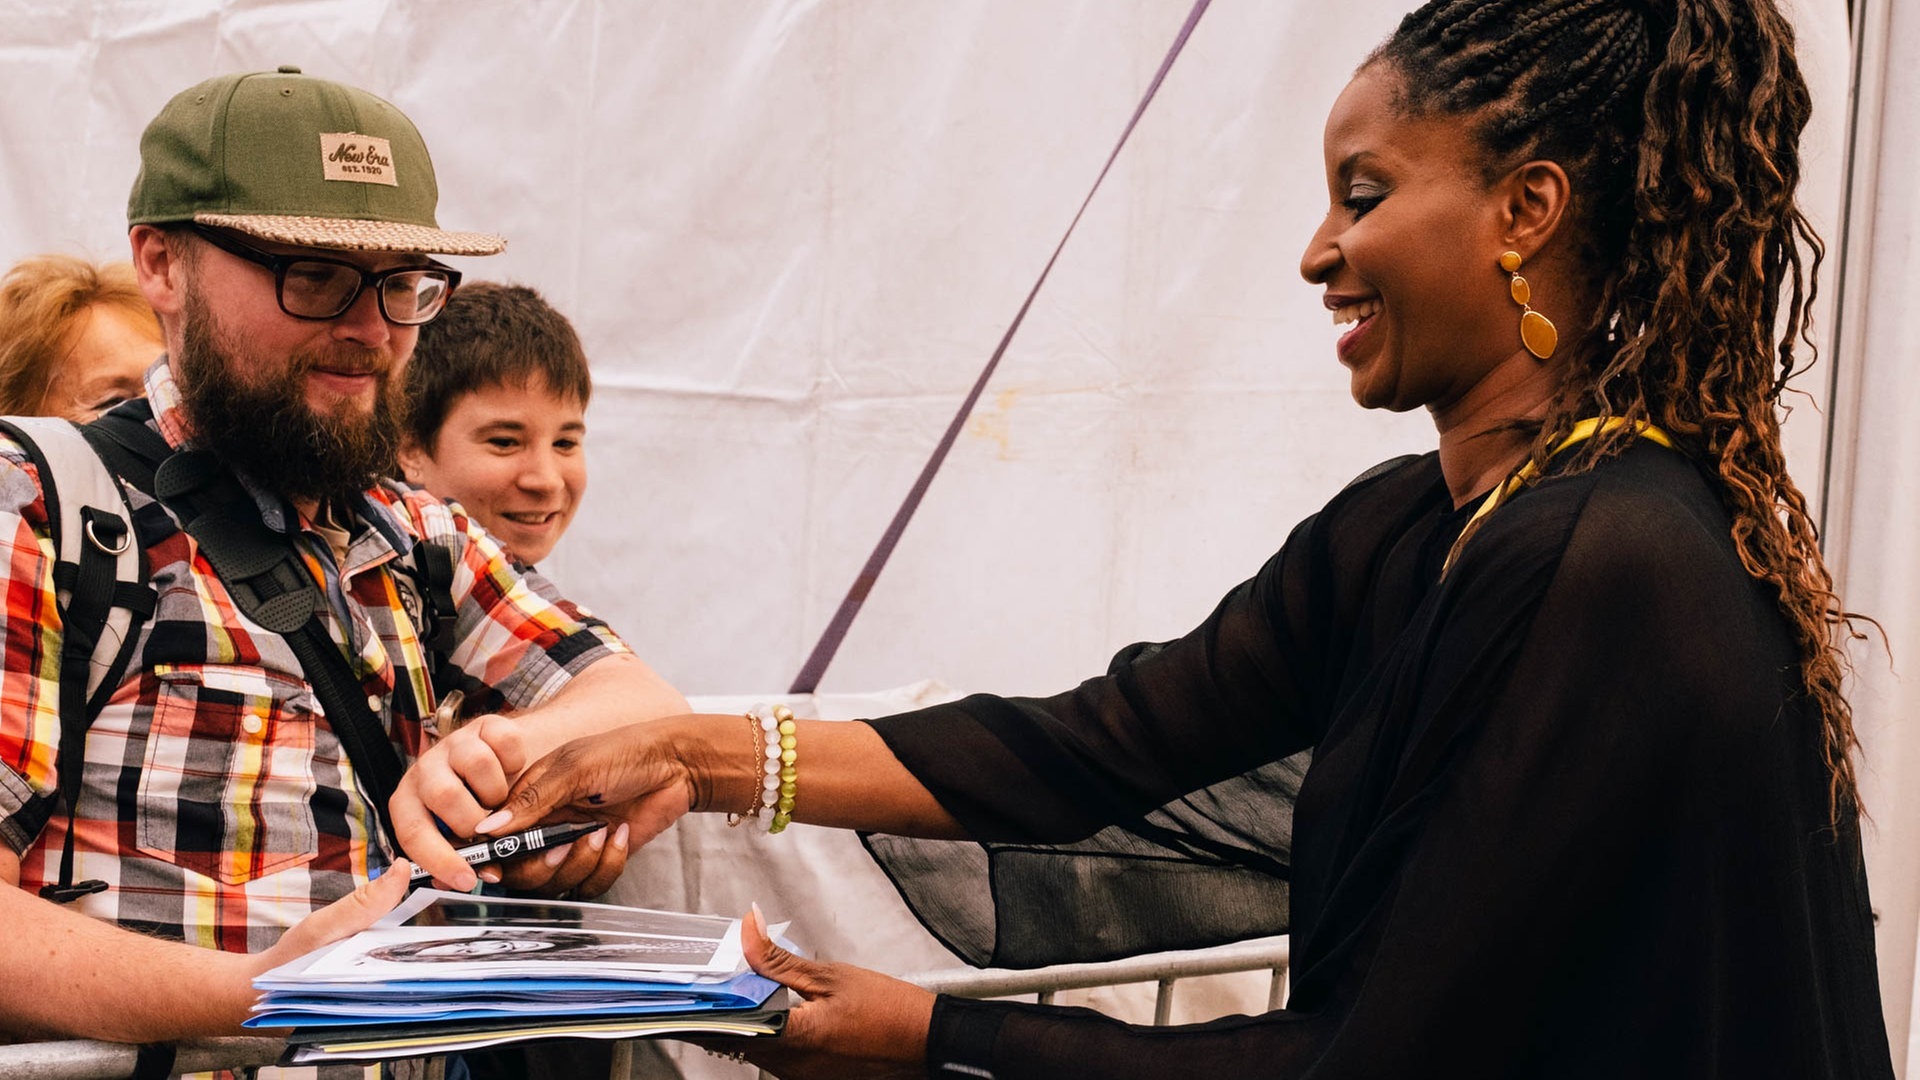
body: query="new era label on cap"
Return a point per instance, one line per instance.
(360, 159)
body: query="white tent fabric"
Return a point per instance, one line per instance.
(1876, 492)
(791, 231)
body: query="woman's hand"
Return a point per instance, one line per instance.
(580, 870)
(854, 1024)
(639, 775)
(459, 780)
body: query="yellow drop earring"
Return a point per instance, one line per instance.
(1537, 331)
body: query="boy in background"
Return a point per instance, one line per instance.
(496, 415)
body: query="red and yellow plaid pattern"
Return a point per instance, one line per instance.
(216, 801)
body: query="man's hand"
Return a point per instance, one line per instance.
(461, 778)
(853, 1023)
(457, 781)
(343, 918)
(66, 975)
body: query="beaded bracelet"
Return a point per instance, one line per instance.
(789, 774)
(778, 775)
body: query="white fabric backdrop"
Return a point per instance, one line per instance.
(791, 231)
(1874, 531)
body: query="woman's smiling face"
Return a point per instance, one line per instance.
(1409, 252)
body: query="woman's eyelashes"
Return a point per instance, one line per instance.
(1361, 200)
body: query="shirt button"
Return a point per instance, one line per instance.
(253, 723)
(374, 702)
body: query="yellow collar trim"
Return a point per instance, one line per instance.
(1582, 431)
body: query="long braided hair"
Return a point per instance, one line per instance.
(1678, 122)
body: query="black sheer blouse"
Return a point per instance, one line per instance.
(1566, 813)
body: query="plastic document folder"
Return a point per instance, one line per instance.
(449, 971)
(324, 1046)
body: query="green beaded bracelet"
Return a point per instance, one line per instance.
(789, 773)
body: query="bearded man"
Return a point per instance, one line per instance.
(282, 227)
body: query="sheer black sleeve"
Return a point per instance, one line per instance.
(1103, 812)
(1247, 687)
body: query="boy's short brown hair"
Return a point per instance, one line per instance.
(490, 335)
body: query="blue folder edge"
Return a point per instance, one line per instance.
(743, 991)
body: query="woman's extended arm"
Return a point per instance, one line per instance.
(1239, 691)
(650, 774)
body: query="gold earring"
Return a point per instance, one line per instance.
(1537, 332)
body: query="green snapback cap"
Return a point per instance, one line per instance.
(285, 157)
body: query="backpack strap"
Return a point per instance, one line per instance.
(434, 561)
(263, 572)
(130, 449)
(100, 581)
(101, 576)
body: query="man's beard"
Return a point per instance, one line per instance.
(257, 421)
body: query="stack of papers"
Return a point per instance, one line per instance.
(449, 971)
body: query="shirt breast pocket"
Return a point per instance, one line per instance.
(227, 781)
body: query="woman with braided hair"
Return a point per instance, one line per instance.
(1581, 800)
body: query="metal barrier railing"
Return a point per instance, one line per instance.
(84, 1059)
(1260, 954)
(81, 1059)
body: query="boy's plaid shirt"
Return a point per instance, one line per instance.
(217, 803)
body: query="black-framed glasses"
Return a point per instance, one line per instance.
(315, 287)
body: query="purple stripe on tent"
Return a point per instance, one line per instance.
(829, 644)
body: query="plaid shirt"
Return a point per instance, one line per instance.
(216, 803)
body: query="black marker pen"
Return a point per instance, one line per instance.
(514, 845)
